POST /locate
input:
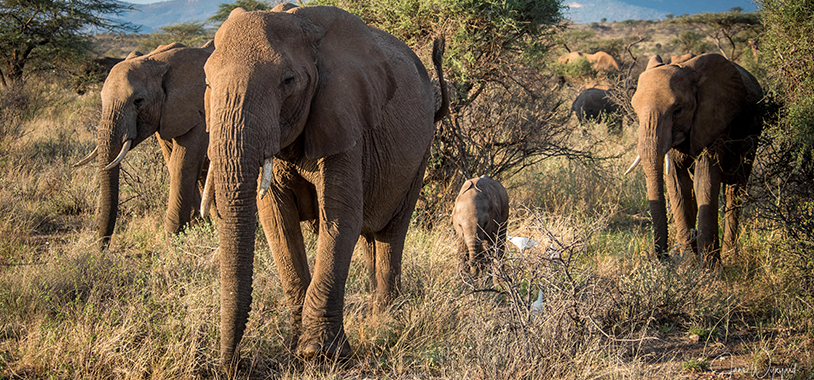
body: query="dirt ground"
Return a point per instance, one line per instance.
(742, 355)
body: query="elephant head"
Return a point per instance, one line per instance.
(309, 95)
(692, 108)
(161, 92)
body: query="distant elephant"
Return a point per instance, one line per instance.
(704, 114)
(676, 59)
(340, 116)
(592, 104)
(600, 61)
(93, 71)
(162, 93)
(479, 219)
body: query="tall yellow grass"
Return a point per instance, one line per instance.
(148, 307)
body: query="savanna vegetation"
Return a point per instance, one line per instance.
(148, 306)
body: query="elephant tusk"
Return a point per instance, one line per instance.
(121, 155)
(635, 163)
(206, 202)
(265, 179)
(89, 158)
(667, 162)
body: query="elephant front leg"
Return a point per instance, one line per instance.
(185, 165)
(682, 201)
(707, 187)
(340, 198)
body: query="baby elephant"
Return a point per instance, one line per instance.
(479, 218)
(594, 104)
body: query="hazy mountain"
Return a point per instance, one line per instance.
(155, 15)
(582, 11)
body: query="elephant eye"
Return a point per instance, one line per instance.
(288, 78)
(138, 102)
(677, 111)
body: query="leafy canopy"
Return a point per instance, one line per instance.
(728, 29)
(481, 34)
(51, 32)
(503, 112)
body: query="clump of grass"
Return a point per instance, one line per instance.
(704, 334)
(696, 365)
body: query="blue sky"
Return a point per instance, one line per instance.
(694, 6)
(667, 6)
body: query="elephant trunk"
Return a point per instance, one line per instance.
(109, 144)
(652, 150)
(108, 193)
(474, 247)
(235, 161)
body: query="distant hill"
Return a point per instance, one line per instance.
(583, 11)
(155, 15)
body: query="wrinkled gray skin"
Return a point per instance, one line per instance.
(159, 93)
(705, 112)
(342, 115)
(592, 104)
(479, 219)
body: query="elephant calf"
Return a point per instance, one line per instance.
(592, 104)
(479, 218)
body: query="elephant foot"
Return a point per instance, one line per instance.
(329, 346)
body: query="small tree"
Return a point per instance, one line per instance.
(732, 28)
(250, 5)
(690, 42)
(191, 34)
(505, 114)
(51, 32)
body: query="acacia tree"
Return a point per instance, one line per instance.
(51, 32)
(505, 114)
(729, 30)
(250, 5)
(190, 33)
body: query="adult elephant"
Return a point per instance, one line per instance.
(159, 93)
(593, 104)
(340, 116)
(704, 114)
(600, 61)
(479, 219)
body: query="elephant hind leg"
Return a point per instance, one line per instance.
(368, 242)
(186, 160)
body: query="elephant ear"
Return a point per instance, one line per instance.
(134, 54)
(720, 98)
(355, 82)
(183, 90)
(655, 61)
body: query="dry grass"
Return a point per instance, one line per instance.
(148, 308)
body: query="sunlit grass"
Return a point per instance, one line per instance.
(149, 306)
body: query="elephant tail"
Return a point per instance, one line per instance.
(438, 46)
